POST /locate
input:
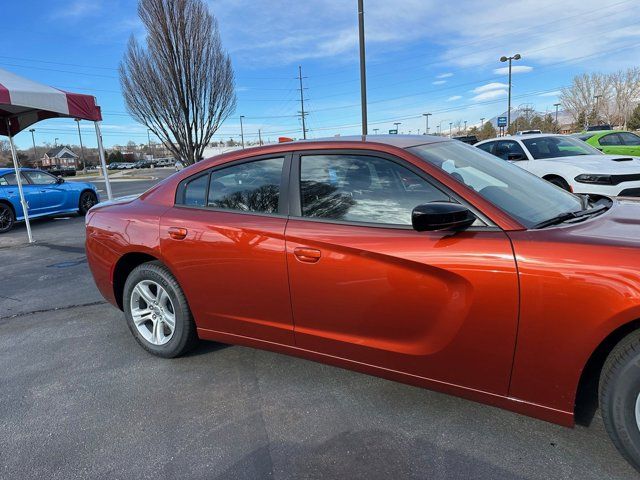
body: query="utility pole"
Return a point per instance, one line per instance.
(517, 56)
(259, 137)
(241, 131)
(35, 152)
(363, 69)
(597, 98)
(302, 114)
(84, 161)
(557, 126)
(426, 118)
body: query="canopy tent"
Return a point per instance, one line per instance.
(24, 102)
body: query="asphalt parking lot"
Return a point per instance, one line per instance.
(80, 399)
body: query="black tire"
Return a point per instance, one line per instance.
(619, 391)
(7, 218)
(559, 182)
(87, 200)
(184, 336)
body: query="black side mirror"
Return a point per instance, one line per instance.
(441, 216)
(59, 180)
(516, 156)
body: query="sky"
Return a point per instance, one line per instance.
(423, 56)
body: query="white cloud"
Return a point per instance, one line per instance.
(445, 75)
(490, 95)
(514, 69)
(454, 97)
(439, 82)
(77, 9)
(490, 86)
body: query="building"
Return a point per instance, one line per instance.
(60, 156)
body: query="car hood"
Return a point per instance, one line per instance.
(618, 226)
(614, 164)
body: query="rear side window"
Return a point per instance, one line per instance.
(195, 192)
(487, 147)
(358, 188)
(611, 139)
(10, 178)
(629, 138)
(248, 187)
(3, 182)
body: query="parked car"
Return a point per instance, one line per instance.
(142, 164)
(125, 166)
(527, 132)
(60, 171)
(615, 142)
(45, 195)
(416, 258)
(470, 139)
(113, 166)
(179, 165)
(569, 163)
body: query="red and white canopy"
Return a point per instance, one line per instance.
(25, 102)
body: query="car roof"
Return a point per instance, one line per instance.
(400, 141)
(4, 171)
(522, 137)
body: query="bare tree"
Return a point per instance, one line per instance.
(182, 85)
(626, 88)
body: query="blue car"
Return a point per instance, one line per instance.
(45, 195)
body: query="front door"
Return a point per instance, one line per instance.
(231, 259)
(51, 195)
(367, 287)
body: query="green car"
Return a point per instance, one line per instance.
(614, 142)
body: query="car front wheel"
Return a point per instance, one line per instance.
(620, 397)
(157, 311)
(7, 218)
(87, 200)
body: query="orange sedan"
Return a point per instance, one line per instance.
(418, 259)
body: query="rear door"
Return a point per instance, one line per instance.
(231, 260)
(32, 194)
(365, 286)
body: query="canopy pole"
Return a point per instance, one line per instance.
(23, 202)
(103, 162)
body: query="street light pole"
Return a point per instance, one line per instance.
(465, 127)
(396, 124)
(597, 98)
(84, 161)
(557, 126)
(517, 56)
(35, 152)
(426, 118)
(375, 131)
(450, 134)
(363, 68)
(481, 122)
(149, 142)
(241, 131)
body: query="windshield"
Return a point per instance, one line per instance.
(553, 147)
(525, 197)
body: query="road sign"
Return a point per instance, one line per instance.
(502, 121)
(393, 132)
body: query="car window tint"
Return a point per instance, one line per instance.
(629, 138)
(196, 191)
(3, 181)
(361, 188)
(611, 139)
(41, 178)
(508, 147)
(248, 187)
(487, 147)
(11, 179)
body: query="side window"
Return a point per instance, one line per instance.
(3, 182)
(11, 179)
(629, 138)
(611, 139)
(487, 147)
(195, 192)
(41, 178)
(360, 188)
(248, 187)
(509, 147)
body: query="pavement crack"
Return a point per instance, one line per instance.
(45, 310)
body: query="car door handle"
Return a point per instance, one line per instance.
(178, 233)
(307, 255)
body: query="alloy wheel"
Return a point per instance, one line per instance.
(153, 312)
